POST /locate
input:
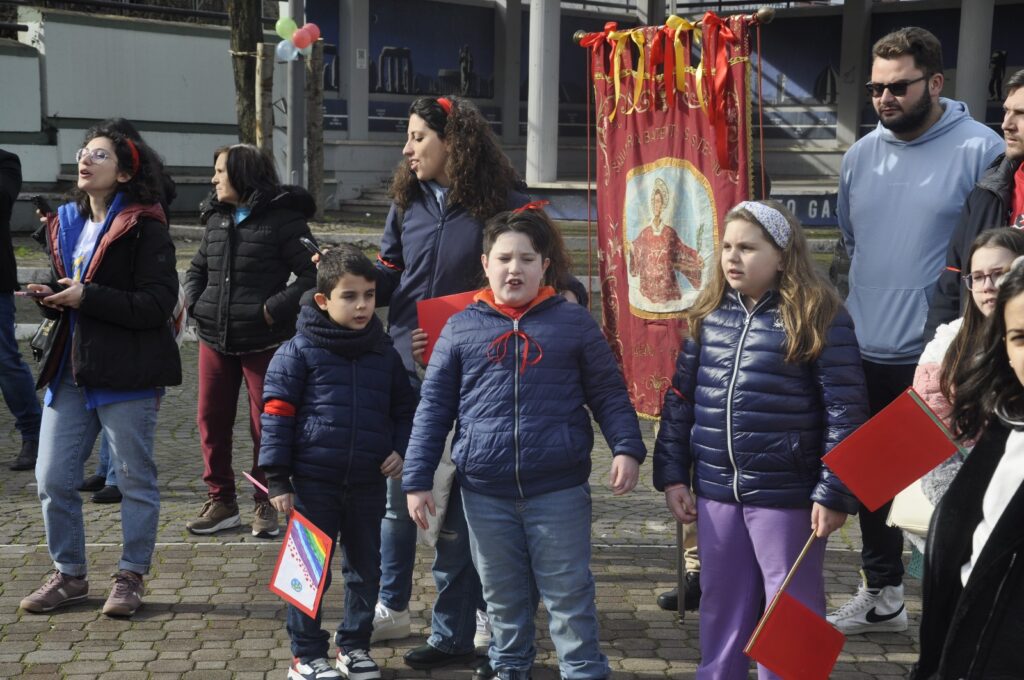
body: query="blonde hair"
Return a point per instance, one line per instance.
(808, 302)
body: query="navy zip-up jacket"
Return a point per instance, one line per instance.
(351, 402)
(523, 430)
(426, 253)
(752, 426)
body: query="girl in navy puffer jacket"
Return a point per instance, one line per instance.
(769, 381)
(518, 370)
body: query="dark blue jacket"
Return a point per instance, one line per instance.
(352, 401)
(752, 426)
(427, 253)
(520, 433)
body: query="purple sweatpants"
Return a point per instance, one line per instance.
(746, 551)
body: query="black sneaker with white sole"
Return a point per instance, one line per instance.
(356, 664)
(314, 669)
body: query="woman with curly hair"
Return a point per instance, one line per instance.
(452, 178)
(113, 287)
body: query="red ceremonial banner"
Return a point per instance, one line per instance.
(794, 642)
(673, 156)
(888, 453)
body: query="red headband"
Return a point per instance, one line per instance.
(532, 205)
(135, 154)
(445, 104)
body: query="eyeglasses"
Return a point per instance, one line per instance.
(95, 155)
(977, 279)
(898, 89)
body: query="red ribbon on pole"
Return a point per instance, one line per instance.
(716, 33)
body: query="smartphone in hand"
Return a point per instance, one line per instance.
(42, 205)
(310, 246)
(32, 293)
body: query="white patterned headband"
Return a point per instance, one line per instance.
(771, 219)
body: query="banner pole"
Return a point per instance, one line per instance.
(680, 573)
(775, 599)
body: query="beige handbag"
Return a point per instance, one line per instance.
(911, 510)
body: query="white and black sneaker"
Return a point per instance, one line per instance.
(872, 610)
(356, 664)
(316, 669)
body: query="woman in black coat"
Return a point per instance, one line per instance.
(972, 625)
(244, 307)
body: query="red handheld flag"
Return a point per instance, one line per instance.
(435, 312)
(302, 564)
(897, 446)
(794, 642)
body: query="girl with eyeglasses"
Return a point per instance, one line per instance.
(113, 288)
(973, 587)
(954, 342)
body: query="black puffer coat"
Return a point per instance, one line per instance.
(974, 632)
(240, 268)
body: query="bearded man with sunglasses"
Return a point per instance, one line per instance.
(901, 190)
(997, 200)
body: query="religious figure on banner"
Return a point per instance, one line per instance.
(665, 272)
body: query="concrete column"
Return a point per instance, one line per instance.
(542, 110)
(854, 69)
(651, 12)
(972, 55)
(295, 148)
(354, 56)
(507, 34)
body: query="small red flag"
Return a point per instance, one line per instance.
(794, 642)
(888, 453)
(434, 314)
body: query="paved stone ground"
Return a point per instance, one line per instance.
(208, 612)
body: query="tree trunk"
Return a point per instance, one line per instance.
(315, 125)
(265, 97)
(246, 34)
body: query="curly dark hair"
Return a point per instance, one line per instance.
(481, 174)
(143, 187)
(985, 384)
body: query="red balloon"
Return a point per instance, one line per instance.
(301, 38)
(313, 30)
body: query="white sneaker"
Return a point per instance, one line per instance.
(872, 611)
(389, 624)
(316, 669)
(357, 665)
(482, 638)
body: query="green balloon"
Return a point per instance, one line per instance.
(285, 26)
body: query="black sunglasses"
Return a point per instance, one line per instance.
(898, 89)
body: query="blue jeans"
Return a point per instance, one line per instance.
(16, 381)
(69, 430)
(354, 512)
(104, 468)
(453, 618)
(541, 542)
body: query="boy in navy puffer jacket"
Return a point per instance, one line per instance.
(519, 369)
(338, 409)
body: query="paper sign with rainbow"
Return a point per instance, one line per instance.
(302, 564)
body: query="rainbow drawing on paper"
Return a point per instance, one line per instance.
(309, 552)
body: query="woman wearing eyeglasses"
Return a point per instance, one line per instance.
(114, 287)
(990, 257)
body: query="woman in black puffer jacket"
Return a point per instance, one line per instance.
(244, 307)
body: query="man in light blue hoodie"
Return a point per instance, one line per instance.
(901, 190)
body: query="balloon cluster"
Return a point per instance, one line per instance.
(295, 40)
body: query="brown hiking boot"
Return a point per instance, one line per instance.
(264, 522)
(59, 590)
(215, 516)
(126, 594)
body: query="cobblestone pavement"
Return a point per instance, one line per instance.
(208, 612)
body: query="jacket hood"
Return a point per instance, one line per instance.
(953, 113)
(998, 178)
(290, 198)
(317, 326)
